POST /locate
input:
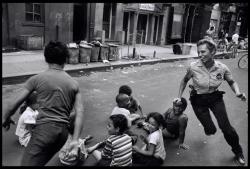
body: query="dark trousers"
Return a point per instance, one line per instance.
(46, 140)
(142, 160)
(214, 101)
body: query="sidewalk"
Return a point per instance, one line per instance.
(23, 64)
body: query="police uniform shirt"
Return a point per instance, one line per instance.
(207, 81)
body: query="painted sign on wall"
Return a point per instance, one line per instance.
(148, 7)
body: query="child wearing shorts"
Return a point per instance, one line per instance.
(27, 119)
(117, 149)
(153, 152)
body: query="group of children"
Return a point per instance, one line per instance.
(120, 148)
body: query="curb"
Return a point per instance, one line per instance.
(74, 72)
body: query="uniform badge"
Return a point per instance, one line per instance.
(219, 76)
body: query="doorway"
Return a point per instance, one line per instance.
(125, 26)
(141, 28)
(80, 22)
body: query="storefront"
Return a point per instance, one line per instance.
(145, 23)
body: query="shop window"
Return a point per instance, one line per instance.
(33, 12)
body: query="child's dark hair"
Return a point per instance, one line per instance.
(183, 104)
(56, 52)
(29, 101)
(120, 121)
(120, 98)
(125, 89)
(157, 117)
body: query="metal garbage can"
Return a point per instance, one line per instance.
(186, 48)
(85, 53)
(73, 54)
(94, 53)
(104, 52)
(113, 52)
(177, 49)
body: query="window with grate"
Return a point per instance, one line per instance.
(33, 12)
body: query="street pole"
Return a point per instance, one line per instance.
(135, 31)
(140, 44)
(128, 42)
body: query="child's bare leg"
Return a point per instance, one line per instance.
(97, 154)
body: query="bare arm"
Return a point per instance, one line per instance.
(10, 107)
(79, 109)
(235, 88)
(233, 85)
(183, 84)
(182, 129)
(78, 106)
(149, 152)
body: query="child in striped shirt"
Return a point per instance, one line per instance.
(117, 149)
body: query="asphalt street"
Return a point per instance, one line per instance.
(155, 86)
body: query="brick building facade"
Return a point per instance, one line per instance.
(154, 23)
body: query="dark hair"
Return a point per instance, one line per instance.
(125, 89)
(211, 45)
(56, 52)
(32, 98)
(120, 98)
(157, 117)
(183, 104)
(120, 121)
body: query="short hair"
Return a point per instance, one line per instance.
(56, 52)
(125, 89)
(120, 98)
(211, 45)
(183, 103)
(158, 117)
(119, 120)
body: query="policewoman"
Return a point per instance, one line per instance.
(207, 75)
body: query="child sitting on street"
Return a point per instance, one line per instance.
(117, 149)
(64, 155)
(135, 106)
(176, 122)
(123, 103)
(27, 119)
(153, 152)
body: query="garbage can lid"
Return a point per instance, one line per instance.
(111, 44)
(104, 45)
(188, 44)
(72, 45)
(85, 46)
